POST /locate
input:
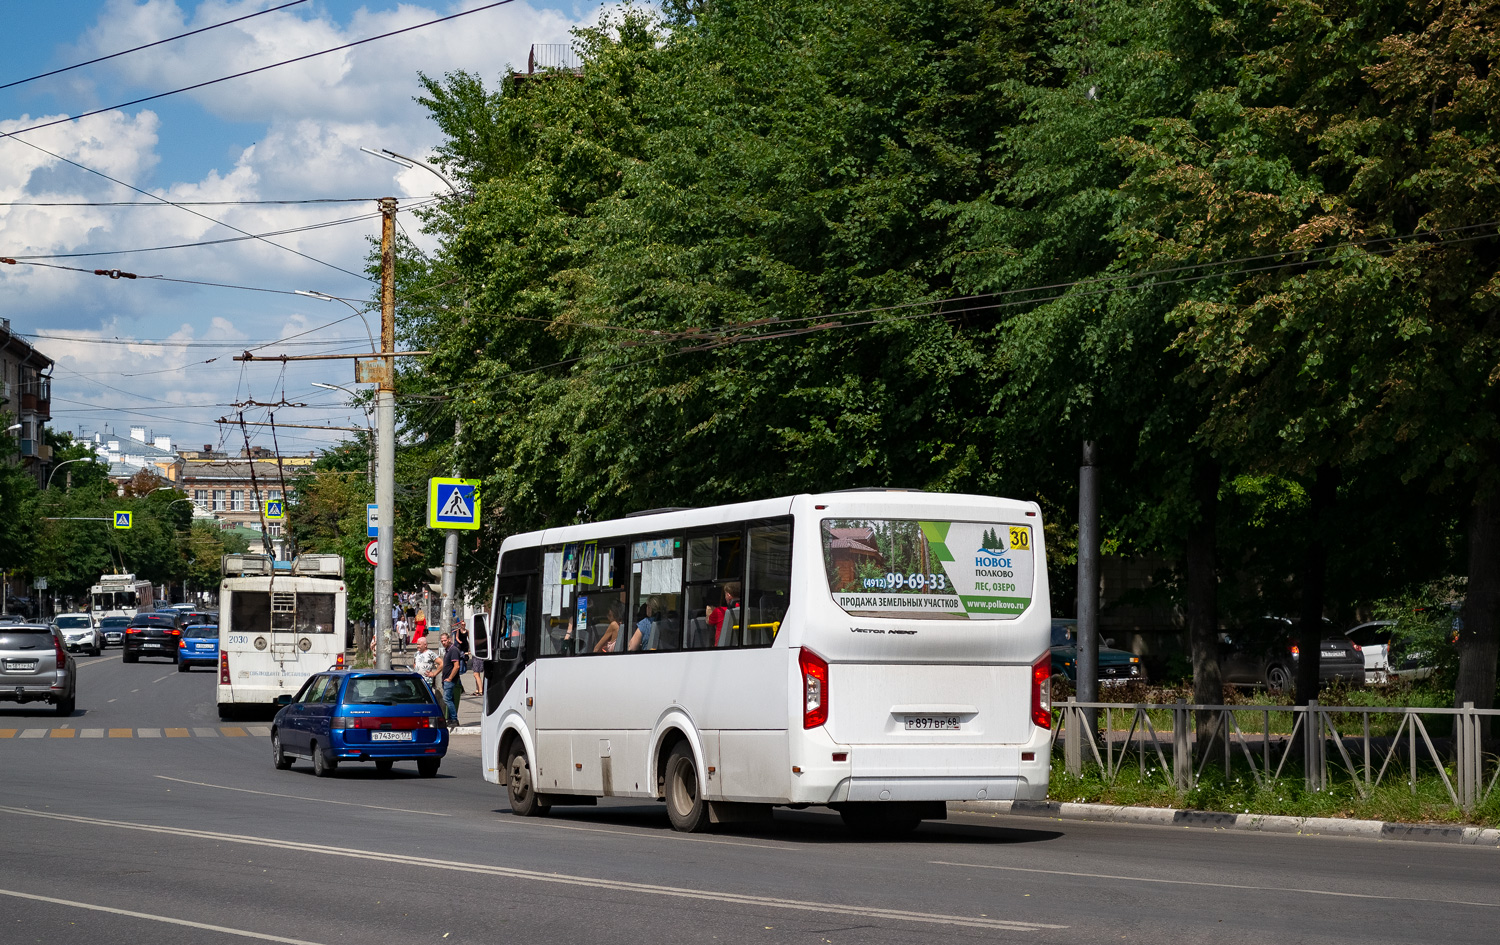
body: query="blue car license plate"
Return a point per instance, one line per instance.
(390, 736)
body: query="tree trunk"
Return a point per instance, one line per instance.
(1314, 584)
(1478, 641)
(1202, 604)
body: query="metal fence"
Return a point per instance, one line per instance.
(553, 56)
(1330, 742)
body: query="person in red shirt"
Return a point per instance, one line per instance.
(716, 614)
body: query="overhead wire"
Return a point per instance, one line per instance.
(159, 42)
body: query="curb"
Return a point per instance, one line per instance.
(1263, 823)
(464, 730)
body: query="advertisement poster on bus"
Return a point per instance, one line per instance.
(942, 570)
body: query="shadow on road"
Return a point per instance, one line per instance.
(813, 825)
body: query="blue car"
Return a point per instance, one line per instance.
(198, 645)
(360, 715)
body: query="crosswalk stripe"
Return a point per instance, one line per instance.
(121, 732)
(8, 732)
(177, 733)
(206, 732)
(34, 733)
(148, 733)
(91, 733)
(227, 731)
(233, 731)
(65, 733)
(259, 730)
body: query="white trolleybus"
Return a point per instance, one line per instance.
(120, 595)
(279, 622)
(880, 652)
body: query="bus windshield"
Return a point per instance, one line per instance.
(289, 612)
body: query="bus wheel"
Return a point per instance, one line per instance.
(279, 758)
(519, 786)
(877, 820)
(323, 766)
(226, 711)
(685, 808)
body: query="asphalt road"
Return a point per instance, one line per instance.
(155, 821)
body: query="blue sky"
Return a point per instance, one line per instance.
(134, 352)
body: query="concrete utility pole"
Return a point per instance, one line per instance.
(385, 439)
(1087, 665)
(450, 545)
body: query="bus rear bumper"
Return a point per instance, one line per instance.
(937, 789)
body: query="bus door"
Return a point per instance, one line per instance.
(501, 641)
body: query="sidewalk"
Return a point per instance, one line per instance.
(1264, 823)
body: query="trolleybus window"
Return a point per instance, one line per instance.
(288, 612)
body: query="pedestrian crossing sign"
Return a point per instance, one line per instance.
(274, 512)
(453, 503)
(122, 519)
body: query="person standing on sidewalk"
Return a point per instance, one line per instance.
(429, 664)
(453, 684)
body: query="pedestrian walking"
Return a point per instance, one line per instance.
(453, 683)
(403, 632)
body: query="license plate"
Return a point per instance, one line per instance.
(932, 723)
(390, 736)
(21, 665)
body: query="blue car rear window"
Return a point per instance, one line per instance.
(199, 633)
(387, 690)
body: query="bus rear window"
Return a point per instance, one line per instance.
(929, 570)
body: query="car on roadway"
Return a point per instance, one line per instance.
(152, 633)
(113, 629)
(384, 716)
(198, 646)
(80, 633)
(1374, 640)
(1115, 667)
(35, 666)
(1265, 653)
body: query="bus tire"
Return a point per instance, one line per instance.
(687, 810)
(323, 766)
(428, 767)
(279, 759)
(520, 787)
(226, 711)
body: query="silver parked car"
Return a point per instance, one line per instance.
(80, 632)
(36, 667)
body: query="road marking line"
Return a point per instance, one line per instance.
(91, 733)
(100, 659)
(299, 797)
(148, 733)
(231, 731)
(107, 703)
(206, 732)
(8, 732)
(561, 879)
(156, 918)
(121, 732)
(64, 733)
(34, 733)
(259, 730)
(177, 733)
(1195, 882)
(160, 678)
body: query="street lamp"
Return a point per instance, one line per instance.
(370, 471)
(386, 154)
(325, 297)
(64, 463)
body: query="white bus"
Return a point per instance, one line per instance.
(120, 595)
(279, 623)
(881, 652)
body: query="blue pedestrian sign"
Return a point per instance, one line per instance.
(274, 510)
(122, 519)
(453, 503)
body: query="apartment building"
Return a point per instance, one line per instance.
(26, 398)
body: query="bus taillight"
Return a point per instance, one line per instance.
(814, 688)
(223, 669)
(1041, 692)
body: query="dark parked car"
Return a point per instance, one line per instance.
(152, 634)
(1116, 667)
(361, 715)
(1265, 653)
(35, 667)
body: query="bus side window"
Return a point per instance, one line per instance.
(766, 597)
